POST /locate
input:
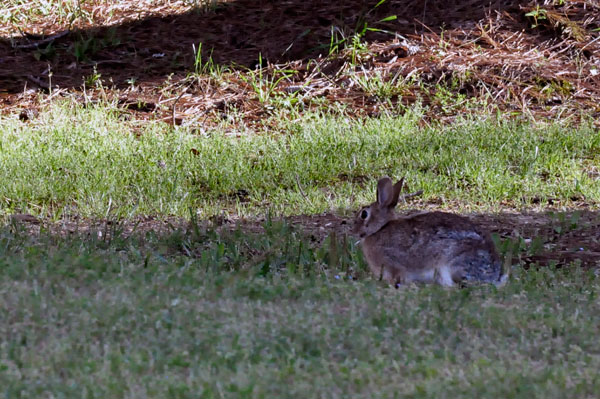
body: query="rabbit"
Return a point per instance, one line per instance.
(426, 247)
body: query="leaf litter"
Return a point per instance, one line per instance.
(199, 63)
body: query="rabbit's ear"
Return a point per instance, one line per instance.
(396, 193)
(384, 191)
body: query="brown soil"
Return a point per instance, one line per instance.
(549, 238)
(520, 56)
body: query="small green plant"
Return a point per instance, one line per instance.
(94, 80)
(564, 222)
(448, 99)
(131, 82)
(358, 49)
(380, 86)
(263, 85)
(443, 43)
(336, 40)
(538, 14)
(204, 67)
(111, 39)
(363, 27)
(45, 53)
(357, 45)
(84, 48)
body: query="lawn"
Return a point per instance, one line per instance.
(262, 315)
(177, 188)
(88, 161)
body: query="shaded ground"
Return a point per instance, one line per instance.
(520, 56)
(548, 238)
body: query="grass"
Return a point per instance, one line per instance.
(223, 313)
(91, 162)
(17, 12)
(265, 315)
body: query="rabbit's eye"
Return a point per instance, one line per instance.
(364, 214)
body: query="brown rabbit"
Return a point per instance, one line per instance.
(428, 247)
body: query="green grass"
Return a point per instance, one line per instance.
(89, 161)
(19, 12)
(241, 314)
(264, 316)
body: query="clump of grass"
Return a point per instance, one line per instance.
(20, 13)
(133, 317)
(90, 162)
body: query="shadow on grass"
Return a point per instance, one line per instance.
(308, 245)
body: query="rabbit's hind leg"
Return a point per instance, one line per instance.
(443, 276)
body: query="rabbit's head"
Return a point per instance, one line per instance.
(370, 219)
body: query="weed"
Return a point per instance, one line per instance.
(45, 53)
(538, 14)
(85, 47)
(336, 40)
(563, 223)
(207, 67)
(264, 86)
(382, 87)
(94, 80)
(357, 45)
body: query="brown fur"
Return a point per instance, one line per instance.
(427, 247)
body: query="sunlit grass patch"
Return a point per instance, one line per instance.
(89, 161)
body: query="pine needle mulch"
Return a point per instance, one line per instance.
(538, 59)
